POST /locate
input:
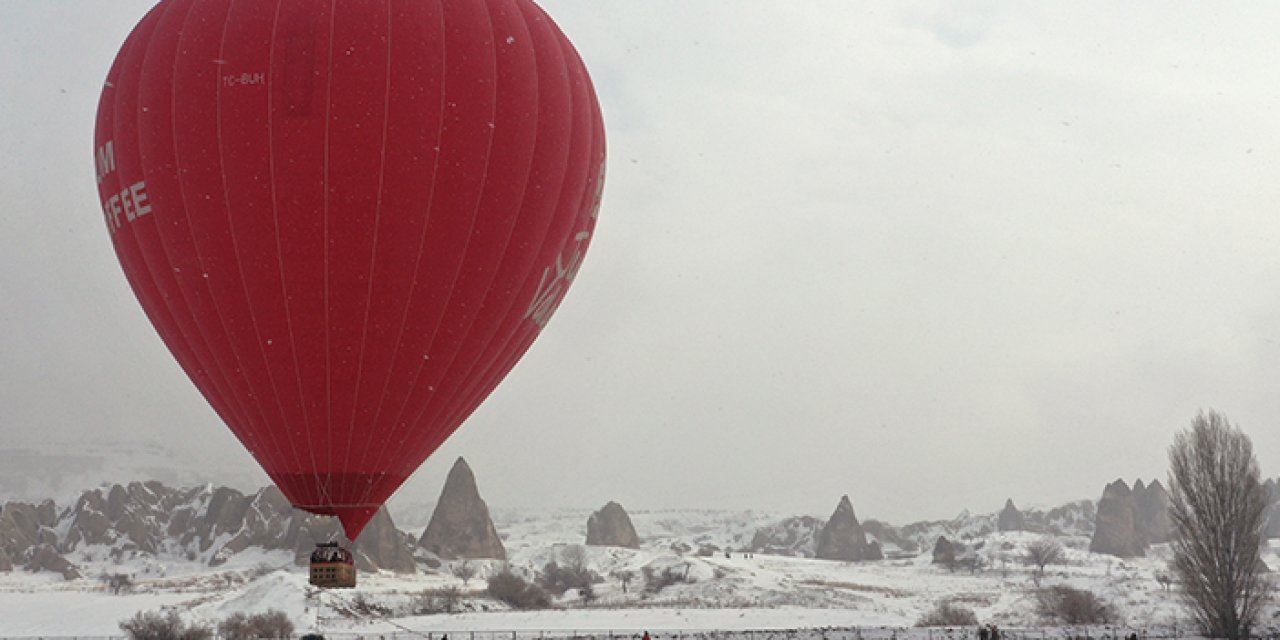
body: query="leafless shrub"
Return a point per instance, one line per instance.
(656, 581)
(117, 582)
(364, 606)
(557, 579)
(510, 588)
(1218, 509)
(948, 614)
(268, 625)
(153, 625)
(433, 601)
(1063, 604)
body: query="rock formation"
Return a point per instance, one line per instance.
(842, 538)
(201, 523)
(1152, 512)
(611, 527)
(1010, 518)
(797, 536)
(1272, 489)
(889, 536)
(460, 526)
(873, 551)
(1074, 518)
(43, 557)
(1116, 531)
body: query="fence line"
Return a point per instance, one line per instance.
(825, 633)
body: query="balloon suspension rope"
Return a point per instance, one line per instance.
(351, 608)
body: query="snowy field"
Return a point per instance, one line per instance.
(757, 597)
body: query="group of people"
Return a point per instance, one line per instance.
(989, 632)
(325, 553)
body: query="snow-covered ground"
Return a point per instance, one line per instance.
(740, 592)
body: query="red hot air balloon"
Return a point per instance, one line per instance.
(348, 219)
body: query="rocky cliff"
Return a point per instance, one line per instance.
(1010, 519)
(611, 527)
(796, 536)
(842, 538)
(460, 526)
(1116, 532)
(1151, 512)
(204, 524)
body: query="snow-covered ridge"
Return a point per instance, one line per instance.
(200, 526)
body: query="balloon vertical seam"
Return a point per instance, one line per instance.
(328, 355)
(275, 213)
(429, 411)
(517, 343)
(373, 258)
(275, 448)
(422, 240)
(208, 361)
(479, 199)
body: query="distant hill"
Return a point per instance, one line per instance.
(36, 472)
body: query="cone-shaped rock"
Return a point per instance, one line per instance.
(1152, 504)
(611, 527)
(843, 538)
(1272, 490)
(460, 526)
(1010, 518)
(1116, 531)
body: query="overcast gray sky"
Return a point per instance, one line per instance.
(929, 254)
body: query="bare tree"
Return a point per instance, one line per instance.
(463, 570)
(624, 577)
(1043, 552)
(575, 558)
(1218, 508)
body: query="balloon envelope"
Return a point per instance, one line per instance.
(348, 219)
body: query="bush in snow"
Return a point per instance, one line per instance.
(948, 614)
(117, 582)
(1068, 605)
(364, 606)
(516, 592)
(272, 624)
(557, 579)
(433, 601)
(656, 581)
(152, 625)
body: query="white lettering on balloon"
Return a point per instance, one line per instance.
(244, 79)
(557, 277)
(127, 204)
(105, 159)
